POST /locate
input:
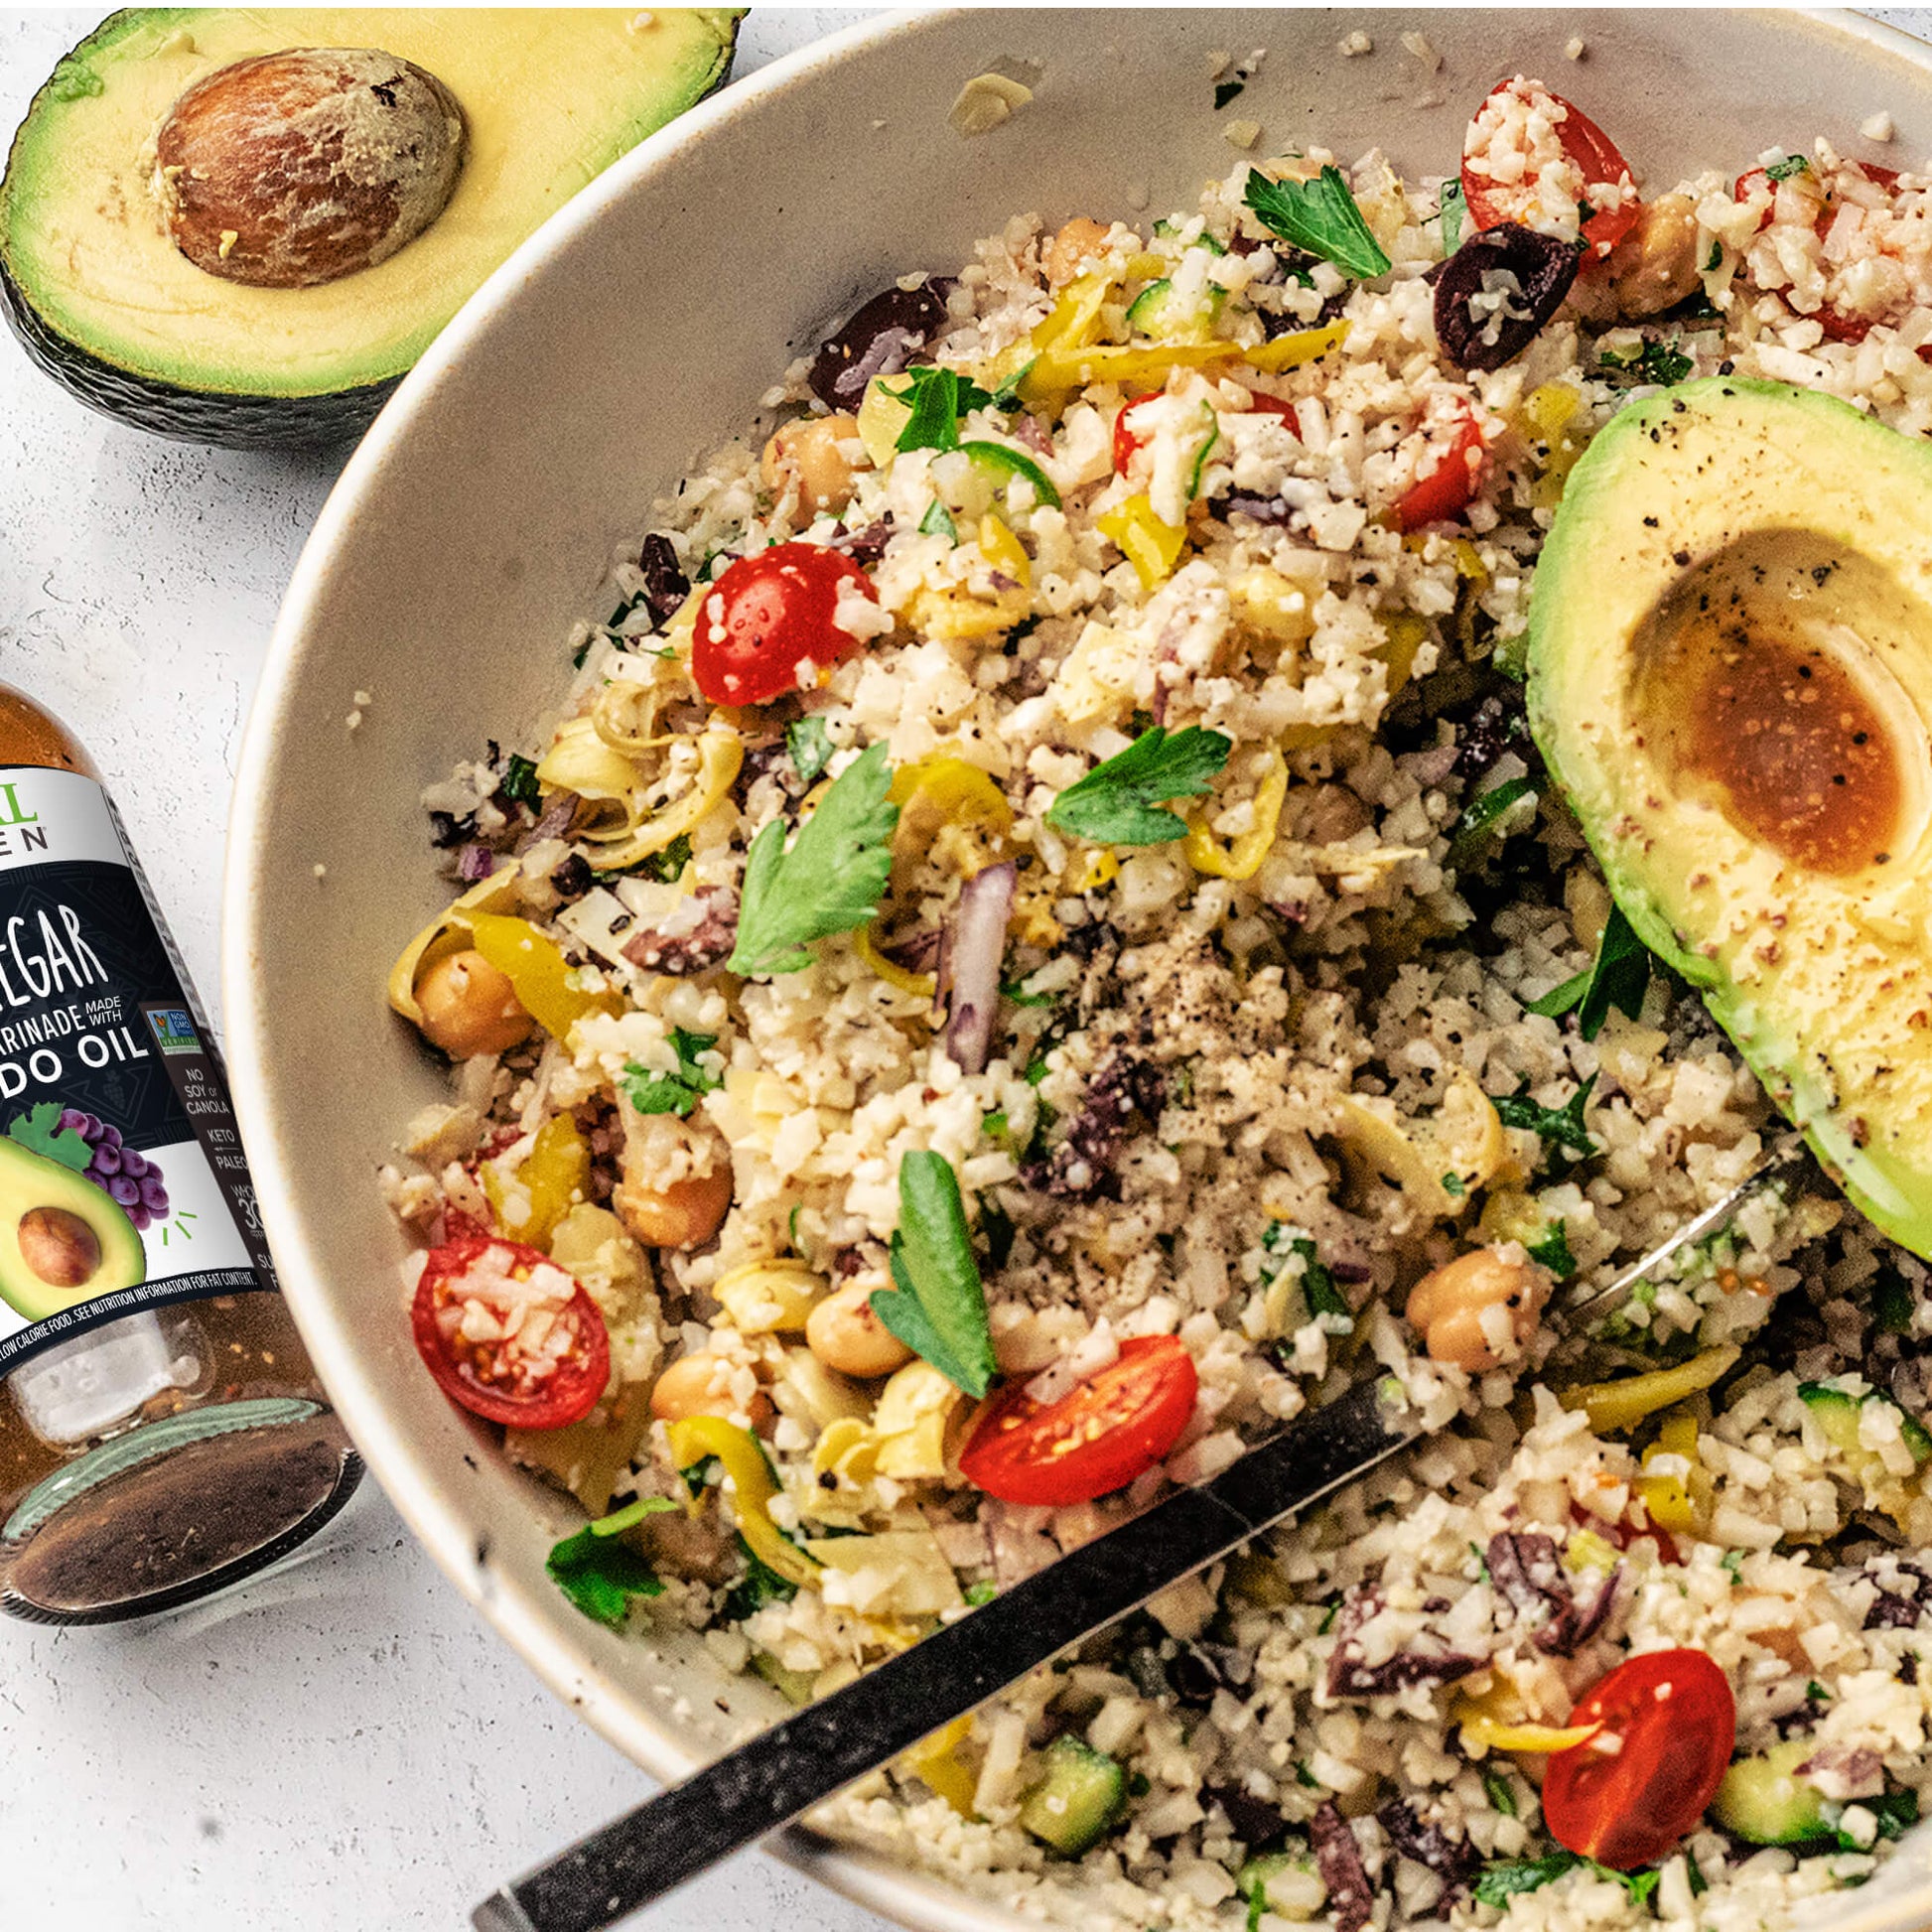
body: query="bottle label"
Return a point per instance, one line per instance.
(122, 1181)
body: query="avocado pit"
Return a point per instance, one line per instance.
(58, 1246)
(1764, 688)
(299, 167)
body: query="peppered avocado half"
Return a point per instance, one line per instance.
(62, 1240)
(107, 303)
(1731, 676)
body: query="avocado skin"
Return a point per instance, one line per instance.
(29, 1180)
(204, 416)
(226, 419)
(1586, 592)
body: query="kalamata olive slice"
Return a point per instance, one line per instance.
(1497, 291)
(877, 339)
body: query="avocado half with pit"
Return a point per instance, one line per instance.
(243, 227)
(62, 1240)
(1731, 677)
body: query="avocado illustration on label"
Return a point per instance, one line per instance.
(63, 1238)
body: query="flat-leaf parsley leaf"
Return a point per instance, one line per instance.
(830, 880)
(1114, 804)
(600, 1575)
(937, 1305)
(1319, 218)
(810, 748)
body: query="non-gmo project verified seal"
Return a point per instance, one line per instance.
(174, 1030)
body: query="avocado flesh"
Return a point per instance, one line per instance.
(107, 303)
(29, 1180)
(1788, 529)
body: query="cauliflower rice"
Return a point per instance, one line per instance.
(1238, 1080)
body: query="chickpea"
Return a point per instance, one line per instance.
(684, 1214)
(1077, 243)
(1653, 268)
(808, 453)
(845, 1334)
(469, 1008)
(686, 1388)
(1448, 1305)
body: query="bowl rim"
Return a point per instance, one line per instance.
(867, 1877)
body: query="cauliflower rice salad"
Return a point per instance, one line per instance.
(1037, 946)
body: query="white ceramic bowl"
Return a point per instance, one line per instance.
(637, 329)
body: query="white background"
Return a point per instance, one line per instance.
(346, 1745)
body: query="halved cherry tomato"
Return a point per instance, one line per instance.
(1584, 144)
(508, 1335)
(1126, 439)
(1628, 1795)
(1115, 1426)
(767, 626)
(1445, 490)
(1838, 328)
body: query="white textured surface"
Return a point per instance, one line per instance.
(344, 1746)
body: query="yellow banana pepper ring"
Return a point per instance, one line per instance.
(921, 985)
(1488, 1735)
(1616, 1406)
(753, 1488)
(1241, 857)
(950, 810)
(539, 973)
(1150, 545)
(557, 1174)
(448, 932)
(1290, 351)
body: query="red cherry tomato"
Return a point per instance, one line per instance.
(1445, 490)
(1593, 152)
(767, 626)
(1838, 328)
(1628, 1795)
(1115, 1426)
(549, 1372)
(1126, 439)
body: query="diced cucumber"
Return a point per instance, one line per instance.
(1168, 230)
(1763, 1800)
(1078, 1800)
(997, 466)
(1282, 1882)
(1836, 1413)
(1157, 312)
(795, 1684)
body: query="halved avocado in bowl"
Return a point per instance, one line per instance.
(434, 142)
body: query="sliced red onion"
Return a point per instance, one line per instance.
(556, 818)
(969, 964)
(474, 863)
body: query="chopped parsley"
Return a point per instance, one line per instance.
(1619, 977)
(677, 1094)
(1659, 363)
(1319, 218)
(1496, 1788)
(519, 781)
(1451, 207)
(1558, 1128)
(829, 881)
(1817, 1693)
(1552, 1249)
(1892, 1304)
(1895, 1811)
(938, 398)
(1715, 259)
(1732, 1562)
(980, 1592)
(1699, 1884)
(663, 868)
(1792, 164)
(937, 522)
(1115, 803)
(937, 1304)
(1508, 1878)
(809, 745)
(1454, 1186)
(601, 1575)
(1015, 991)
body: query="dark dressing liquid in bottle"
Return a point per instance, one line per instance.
(162, 1432)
